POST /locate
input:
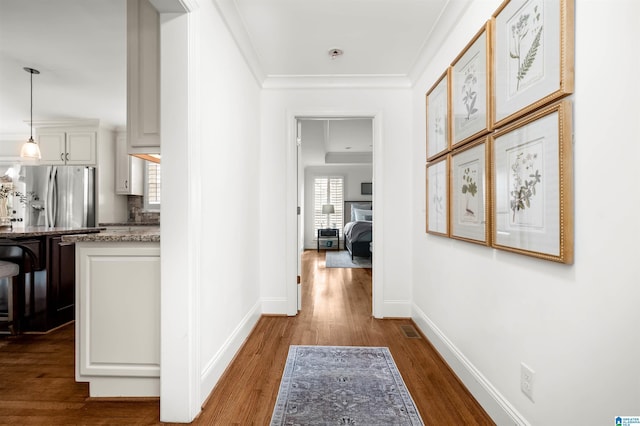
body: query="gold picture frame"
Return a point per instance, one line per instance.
(469, 191)
(533, 56)
(532, 185)
(438, 112)
(437, 196)
(471, 89)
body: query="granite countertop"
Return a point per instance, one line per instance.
(40, 231)
(124, 233)
(129, 224)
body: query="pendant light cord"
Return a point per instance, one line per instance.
(31, 71)
(31, 136)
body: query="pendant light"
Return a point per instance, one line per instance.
(30, 149)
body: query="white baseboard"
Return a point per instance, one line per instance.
(274, 306)
(493, 402)
(221, 360)
(396, 309)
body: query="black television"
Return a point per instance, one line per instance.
(366, 188)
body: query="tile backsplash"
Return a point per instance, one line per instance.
(135, 204)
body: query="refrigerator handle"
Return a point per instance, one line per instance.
(51, 207)
(47, 197)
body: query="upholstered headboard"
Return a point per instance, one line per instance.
(368, 205)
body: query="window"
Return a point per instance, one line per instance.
(152, 186)
(328, 190)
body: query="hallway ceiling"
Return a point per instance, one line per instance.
(294, 37)
(80, 48)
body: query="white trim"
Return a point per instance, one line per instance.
(106, 387)
(291, 225)
(233, 20)
(291, 218)
(275, 305)
(180, 399)
(216, 366)
(174, 6)
(494, 403)
(449, 17)
(336, 82)
(397, 308)
(377, 293)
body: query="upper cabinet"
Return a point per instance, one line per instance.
(143, 78)
(68, 143)
(129, 169)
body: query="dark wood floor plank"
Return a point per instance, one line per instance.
(37, 383)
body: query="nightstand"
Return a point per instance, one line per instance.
(329, 239)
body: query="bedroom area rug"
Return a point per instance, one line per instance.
(343, 385)
(342, 259)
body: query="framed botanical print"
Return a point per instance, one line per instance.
(533, 56)
(438, 131)
(469, 200)
(438, 196)
(532, 185)
(470, 90)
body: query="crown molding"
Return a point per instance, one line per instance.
(232, 19)
(337, 82)
(89, 122)
(175, 6)
(448, 18)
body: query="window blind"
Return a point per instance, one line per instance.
(328, 190)
(154, 182)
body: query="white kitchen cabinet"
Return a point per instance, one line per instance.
(68, 142)
(143, 78)
(129, 169)
(118, 318)
(72, 148)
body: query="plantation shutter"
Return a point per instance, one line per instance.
(153, 183)
(328, 190)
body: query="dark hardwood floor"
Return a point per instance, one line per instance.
(37, 371)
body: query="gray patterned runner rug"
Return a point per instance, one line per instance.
(343, 385)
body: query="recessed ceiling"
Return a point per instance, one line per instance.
(79, 46)
(378, 37)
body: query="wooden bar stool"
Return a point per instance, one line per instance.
(8, 271)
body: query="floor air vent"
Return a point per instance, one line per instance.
(410, 331)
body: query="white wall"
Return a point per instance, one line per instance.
(230, 110)
(392, 144)
(353, 176)
(575, 325)
(210, 206)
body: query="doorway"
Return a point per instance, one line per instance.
(335, 168)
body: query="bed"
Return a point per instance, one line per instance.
(358, 228)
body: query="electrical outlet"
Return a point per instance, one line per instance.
(527, 377)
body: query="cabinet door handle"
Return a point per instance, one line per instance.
(62, 156)
(67, 156)
(126, 184)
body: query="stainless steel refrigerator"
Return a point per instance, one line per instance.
(59, 196)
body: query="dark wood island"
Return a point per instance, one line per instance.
(45, 297)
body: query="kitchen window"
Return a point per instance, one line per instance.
(152, 186)
(328, 190)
